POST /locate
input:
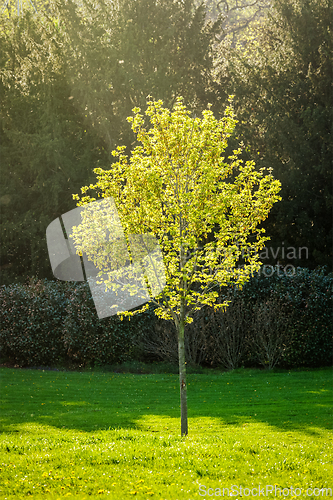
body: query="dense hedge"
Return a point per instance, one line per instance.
(306, 296)
(32, 322)
(89, 339)
(287, 315)
(46, 322)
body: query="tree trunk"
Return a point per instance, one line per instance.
(182, 374)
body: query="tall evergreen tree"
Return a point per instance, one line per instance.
(281, 77)
(45, 149)
(70, 76)
(122, 51)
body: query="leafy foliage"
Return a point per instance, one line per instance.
(176, 187)
(121, 52)
(90, 340)
(305, 298)
(49, 323)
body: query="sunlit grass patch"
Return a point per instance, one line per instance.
(107, 435)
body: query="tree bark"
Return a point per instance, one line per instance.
(182, 373)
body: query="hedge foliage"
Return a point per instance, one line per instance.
(54, 323)
(306, 298)
(32, 322)
(88, 339)
(282, 320)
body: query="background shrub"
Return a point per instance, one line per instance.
(160, 339)
(229, 333)
(282, 320)
(270, 332)
(106, 341)
(32, 318)
(306, 300)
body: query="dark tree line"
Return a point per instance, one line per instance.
(71, 74)
(281, 76)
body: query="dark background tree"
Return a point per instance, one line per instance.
(281, 76)
(45, 149)
(71, 74)
(123, 51)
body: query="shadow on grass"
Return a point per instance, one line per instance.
(96, 400)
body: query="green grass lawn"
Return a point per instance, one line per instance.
(110, 435)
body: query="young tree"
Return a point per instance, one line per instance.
(204, 210)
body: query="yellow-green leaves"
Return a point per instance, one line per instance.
(176, 186)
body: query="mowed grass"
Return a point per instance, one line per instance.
(107, 435)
